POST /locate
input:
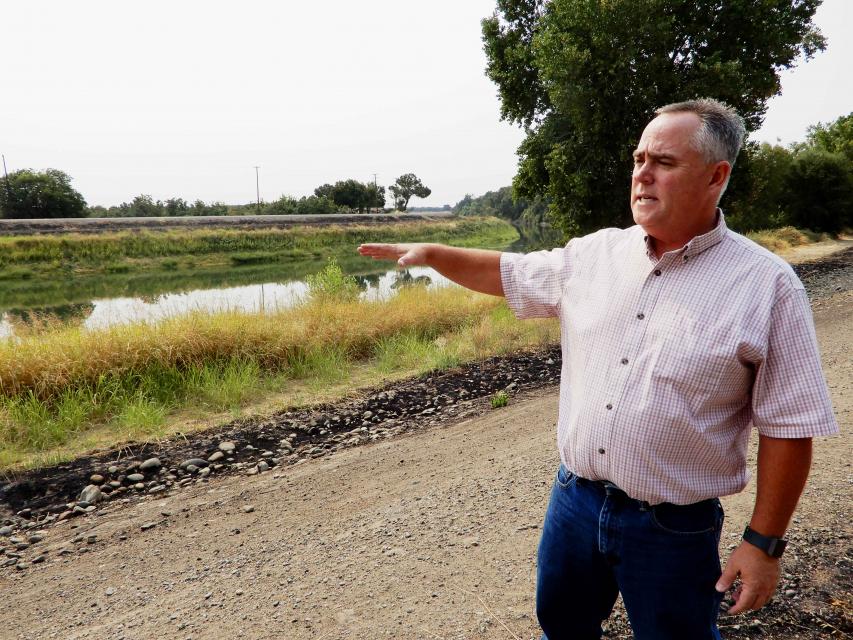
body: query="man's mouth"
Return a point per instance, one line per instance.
(645, 199)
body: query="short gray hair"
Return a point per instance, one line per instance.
(722, 131)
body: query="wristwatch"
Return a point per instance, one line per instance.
(773, 547)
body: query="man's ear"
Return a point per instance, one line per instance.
(721, 173)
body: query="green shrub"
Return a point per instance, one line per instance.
(332, 285)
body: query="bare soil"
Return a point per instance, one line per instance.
(424, 531)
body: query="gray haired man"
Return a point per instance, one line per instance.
(678, 337)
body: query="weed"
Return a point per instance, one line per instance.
(500, 399)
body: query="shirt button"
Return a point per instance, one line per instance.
(609, 406)
(686, 258)
(601, 450)
(624, 360)
(657, 272)
(640, 316)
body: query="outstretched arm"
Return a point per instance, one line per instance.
(783, 466)
(476, 269)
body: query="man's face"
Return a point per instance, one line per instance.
(670, 184)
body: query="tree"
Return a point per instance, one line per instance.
(40, 194)
(820, 191)
(406, 186)
(582, 77)
(758, 196)
(834, 137)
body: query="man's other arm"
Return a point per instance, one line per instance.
(475, 269)
(783, 466)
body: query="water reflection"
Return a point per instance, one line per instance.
(268, 296)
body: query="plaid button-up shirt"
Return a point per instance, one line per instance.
(667, 363)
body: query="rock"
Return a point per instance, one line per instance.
(248, 508)
(148, 525)
(216, 456)
(112, 469)
(91, 494)
(22, 565)
(96, 478)
(133, 478)
(194, 462)
(152, 464)
(263, 466)
(110, 591)
(39, 559)
(6, 531)
(204, 472)
(227, 447)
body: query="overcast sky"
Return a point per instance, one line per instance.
(184, 98)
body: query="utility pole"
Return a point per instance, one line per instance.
(374, 179)
(258, 188)
(8, 186)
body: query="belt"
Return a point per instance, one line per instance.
(611, 489)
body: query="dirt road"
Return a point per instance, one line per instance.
(431, 534)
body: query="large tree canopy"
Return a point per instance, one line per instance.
(40, 194)
(584, 76)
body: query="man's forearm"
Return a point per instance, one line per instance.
(477, 269)
(783, 466)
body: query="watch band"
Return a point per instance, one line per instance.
(773, 547)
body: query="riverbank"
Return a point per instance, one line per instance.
(81, 255)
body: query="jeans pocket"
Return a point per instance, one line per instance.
(565, 478)
(691, 519)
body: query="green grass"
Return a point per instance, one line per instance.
(500, 399)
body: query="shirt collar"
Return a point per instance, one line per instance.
(699, 243)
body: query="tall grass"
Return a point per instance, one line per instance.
(60, 385)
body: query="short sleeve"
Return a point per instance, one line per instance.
(790, 398)
(533, 282)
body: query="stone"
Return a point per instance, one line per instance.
(194, 462)
(96, 478)
(133, 478)
(263, 466)
(227, 447)
(91, 494)
(248, 508)
(148, 525)
(216, 456)
(6, 531)
(152, 464)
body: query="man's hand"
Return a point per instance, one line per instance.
(406, 255)
(759, 574)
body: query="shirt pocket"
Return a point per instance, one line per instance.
(691, 357)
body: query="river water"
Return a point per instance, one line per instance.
(97, 305)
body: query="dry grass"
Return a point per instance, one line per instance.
(785, 238)
(65, 391)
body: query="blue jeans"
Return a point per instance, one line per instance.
(597, 542)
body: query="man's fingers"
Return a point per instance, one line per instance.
(745, 600)
(380, 251)
(727, 579)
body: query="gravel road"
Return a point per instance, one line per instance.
(417, 522)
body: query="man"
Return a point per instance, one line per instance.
(678, 335)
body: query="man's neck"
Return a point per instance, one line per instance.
(660, 246)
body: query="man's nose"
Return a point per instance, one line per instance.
(642, 172)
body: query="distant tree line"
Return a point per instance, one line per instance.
(49, 194)
(807, 185)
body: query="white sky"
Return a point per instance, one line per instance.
(183, 98)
